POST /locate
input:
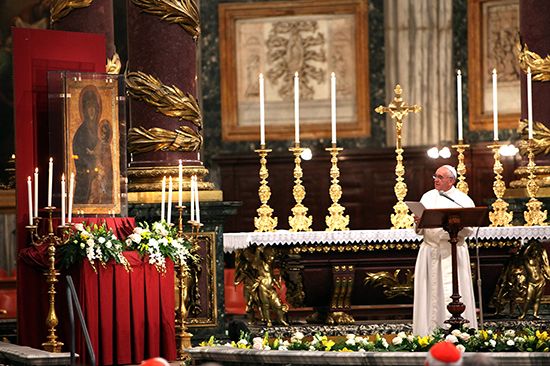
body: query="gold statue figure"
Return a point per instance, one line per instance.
(253, 269)
(538, 271)
(521, 284)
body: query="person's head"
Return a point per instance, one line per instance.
(155, 361)
(105, 131)
(443, 354)
(444, 178)
(90, 103)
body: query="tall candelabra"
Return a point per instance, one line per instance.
(534, 215)
(336, 220)
(52, 240)
(264, 222)
(183, 282)
(299, 221)
(461, 167)
(398, 110)
(500, 216)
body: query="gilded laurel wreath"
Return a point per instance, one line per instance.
(60, 8)
(182, 12)
(141, 140)
(541, 138)
(540, 67)
(169, 100)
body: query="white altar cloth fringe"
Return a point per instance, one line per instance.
(234, 241)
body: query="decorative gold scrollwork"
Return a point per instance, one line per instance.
(393, 284)
(182, 12)
(60, 8)
(113, 65)
(141, 140)
(541, 138)
(540, 67)
(169, 100)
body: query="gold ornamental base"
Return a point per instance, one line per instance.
(336, 220)
(299, 221)
(265, 222)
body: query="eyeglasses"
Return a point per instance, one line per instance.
(440, 177)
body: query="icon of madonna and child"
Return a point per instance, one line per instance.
(94, 149)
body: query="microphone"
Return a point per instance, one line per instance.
(443, 194)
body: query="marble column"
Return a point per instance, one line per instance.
(165, 117)
(91, 16)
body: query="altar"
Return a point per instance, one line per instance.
(342, 276)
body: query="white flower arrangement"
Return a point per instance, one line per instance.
(158, 243)
(96, 243)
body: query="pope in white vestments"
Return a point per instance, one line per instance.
(433, 271)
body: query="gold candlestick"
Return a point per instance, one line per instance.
(500, 216)
(461, 167)
(534, 216)
(299, 221)
(264, 222)
(398, 110)
(183, 337)
(52, 344)
(336, 220)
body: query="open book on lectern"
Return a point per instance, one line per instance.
(416, 207)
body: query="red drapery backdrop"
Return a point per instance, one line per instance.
(129, 315)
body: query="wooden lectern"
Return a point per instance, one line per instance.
(452, 220)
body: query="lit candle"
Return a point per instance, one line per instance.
(333, 105)
(296, 108)
(180, 184)
(529, 103)
(192, 199)
(29, 188)
(262, 110)
(50, 182)
(163, 198)
(197, 208)
(169, 210)
(459, 104)
(495, 106)
(71, 198)
(63, 199)
(35, 192)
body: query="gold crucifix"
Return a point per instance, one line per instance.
(397, 111)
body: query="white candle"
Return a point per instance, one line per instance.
(163, 198)
(296, 108)
(262, 110)
(459, 104)
(529, 104)
(495, 106)
(29, 188)
(333, 105)
(63, 199)
(197, 207)
(71, 198)
(169, 210)
(180, 184)
(192, 198)
(50, 182)
(35, 192)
